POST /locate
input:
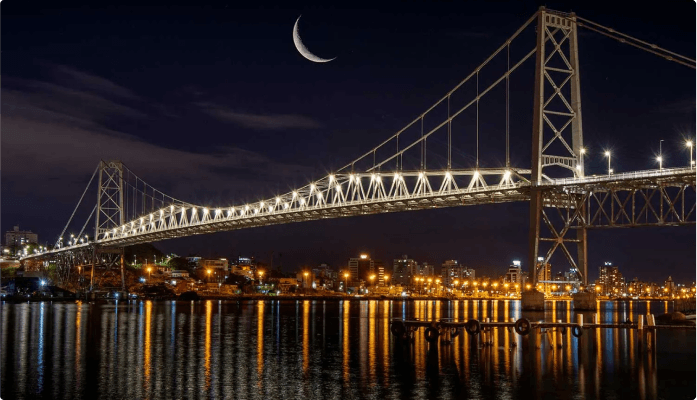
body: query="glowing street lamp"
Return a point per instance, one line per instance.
(261, 275)
(660, 155)
(149, 273)
(346, 276)
(209, 274)
(660, 163)
(306, 274)
(609, 157)
(689, 146)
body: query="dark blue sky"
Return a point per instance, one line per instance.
(211, 103)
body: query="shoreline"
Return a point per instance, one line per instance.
(19, 299)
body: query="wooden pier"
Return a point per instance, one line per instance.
(444, 330)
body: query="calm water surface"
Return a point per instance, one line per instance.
(325, 350)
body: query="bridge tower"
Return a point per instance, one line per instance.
(110, 209)
(557, 145)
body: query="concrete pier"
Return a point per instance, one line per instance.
(532, 300)
(585, 301)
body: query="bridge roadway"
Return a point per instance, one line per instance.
(344, 195)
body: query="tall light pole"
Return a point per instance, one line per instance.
(660, 155)
(346, 276)
(609, 158)
(689, 146)
(149, 270)
(580, 167)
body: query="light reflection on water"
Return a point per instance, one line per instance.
(328, 349)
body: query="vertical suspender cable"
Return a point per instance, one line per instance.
(508, 72)
(477, 119)
(423, 151)
(450, 143)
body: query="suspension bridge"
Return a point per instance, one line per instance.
(395, 176)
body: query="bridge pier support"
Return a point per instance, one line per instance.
(585, 301)
(532, 300)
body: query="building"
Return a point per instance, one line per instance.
(379, 274)
(669, 286)
(544, 275)
(514, 274)
(244, 266)
(452, 271)
(214, 263)
(610, 280)
(403, 269)
(306, 279)
(360, 270)
(427, 270)
(15, 239)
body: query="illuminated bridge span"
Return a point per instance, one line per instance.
(395, 175)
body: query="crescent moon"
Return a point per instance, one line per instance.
(302, 49)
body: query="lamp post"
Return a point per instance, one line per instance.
(372, 278)
(305, 282)
(660, 155)
(149, 273)
(209, 276)
(689, 146)
(346, 276)
(261, 276)
(609, 158)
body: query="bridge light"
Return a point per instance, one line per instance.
(285, 205)
(607, 154)
(141, 220)
(476, 175)
(312, 187)
(278, 200)
(448, 175)
(421, 174)
(205, 210)
(396, 176)
(507, 174)
(193, 210)
(351, 177)
(319, 196)
(217, 211)
(583, 150)
(171, 208)
(331, 178)
(295, 194)
(162, 212)
(302, 202)
(372, 177)
(246, 208)
(578, 167)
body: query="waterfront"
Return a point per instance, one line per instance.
(318, 349)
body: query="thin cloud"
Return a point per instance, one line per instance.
(259, 121)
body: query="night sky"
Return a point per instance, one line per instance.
(211, 103)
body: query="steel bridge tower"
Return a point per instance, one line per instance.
(110, 211)
(557, 140)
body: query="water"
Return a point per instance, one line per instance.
(325, 349)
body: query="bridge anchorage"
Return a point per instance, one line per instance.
(395, 176)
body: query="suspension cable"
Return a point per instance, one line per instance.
(632, 41)
(78, 205)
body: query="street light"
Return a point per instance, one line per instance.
(660, 155)
(609, 157)
(387, 278)
(306, 274)
(209, 275)
(261, 275)
(149, 270)
(346, 276)
(372, 278)
(689, 146)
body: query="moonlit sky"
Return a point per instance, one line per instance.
(213, 104)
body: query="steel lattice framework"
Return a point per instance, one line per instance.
(564, 203)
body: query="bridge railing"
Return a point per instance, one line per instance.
(651, 173)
